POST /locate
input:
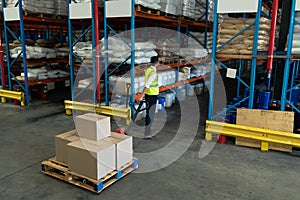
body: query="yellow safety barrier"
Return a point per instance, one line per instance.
(266, 136)
(105, 110)
(20, 96)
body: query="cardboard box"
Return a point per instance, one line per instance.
(61, 142)
(92, 159)
(124, 148)
(93, 127)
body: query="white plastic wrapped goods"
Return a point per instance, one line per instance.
(296, 36)
(173, 7)
(61, 7)
(152, 4)
(35, 6)
(188, 8)
(34, 52)
(118, 51)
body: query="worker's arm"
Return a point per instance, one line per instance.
(142, 94)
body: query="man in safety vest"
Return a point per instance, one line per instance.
(150, 92)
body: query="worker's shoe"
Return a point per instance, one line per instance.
(149, 137)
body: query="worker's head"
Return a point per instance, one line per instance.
(154, 60)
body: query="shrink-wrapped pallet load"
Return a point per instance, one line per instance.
(61, 7)
(35, 6)
(188, 8)
(152, 4)
(172, 7)
(296, 37)
(243, 43)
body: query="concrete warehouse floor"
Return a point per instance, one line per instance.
(228, 172)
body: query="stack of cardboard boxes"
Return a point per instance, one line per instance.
(93, 150)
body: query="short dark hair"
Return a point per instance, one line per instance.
(154, 59)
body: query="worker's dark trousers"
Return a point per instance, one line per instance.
(151, 99)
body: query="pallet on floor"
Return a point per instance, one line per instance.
(149, 11)
(267, 119)
(40, 15)
(60, 171)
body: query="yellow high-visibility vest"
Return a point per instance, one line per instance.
(153, 89)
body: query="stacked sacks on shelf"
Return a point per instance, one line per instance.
(87, 36)
(37, 52)
(62, 7)
(84, 49)
(62, 52)
(201, 37)
(200, 10)
(168, 50)
(193, 51)
(296, 37)
(143, 52)
(35, 6)
(119, 51)
(152, 4)
(42, 74)
(173, 7)
(243, 44)
(34, 52)
(188, 8)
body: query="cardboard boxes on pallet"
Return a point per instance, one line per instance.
(123, 146)
(92, 159)
(95, 151)
(61, 142)
(93, 127)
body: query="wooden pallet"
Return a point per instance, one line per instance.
(60, 171)
(149, 11)
(61, 17)
(185, 18)
(40, 15)
(169, 60)
(169, 15)
(268, 119)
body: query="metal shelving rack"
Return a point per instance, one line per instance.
(217, 59)
(291, 71)
(177, 24)
(17, 19)
(2, 65)
(92, 21)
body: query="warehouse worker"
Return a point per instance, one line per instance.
(150, 92)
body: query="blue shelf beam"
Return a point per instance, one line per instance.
(215, 61)
(286, 76)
